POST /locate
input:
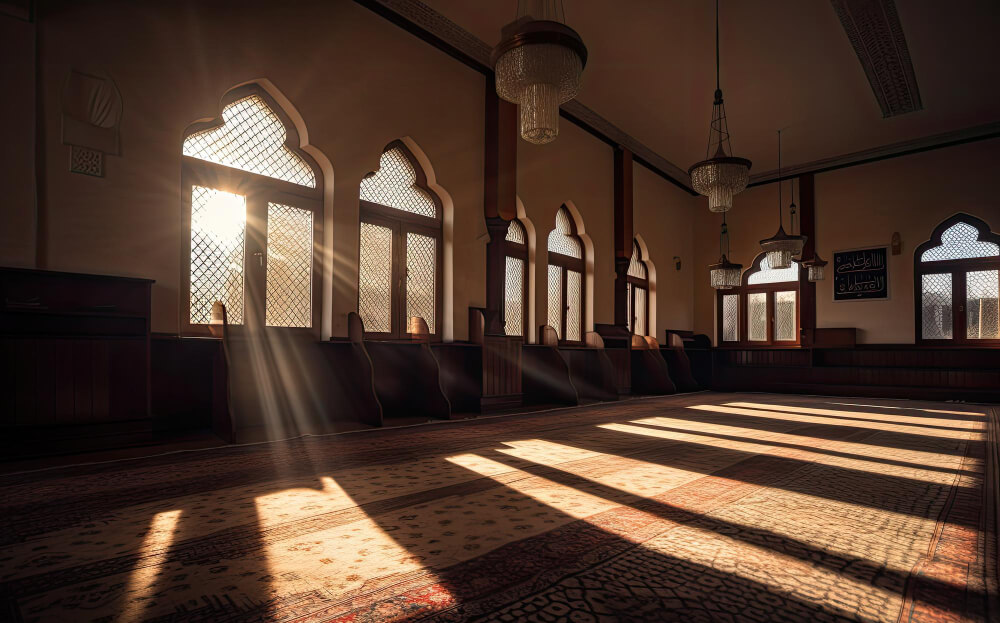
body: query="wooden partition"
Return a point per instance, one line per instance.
(501, 365)
(590, 369)
(184, 382)
(617, 346)
(650, 375)
(545, 373)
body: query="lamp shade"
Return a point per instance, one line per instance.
(725, 275)
(816, 267)
(781, 248)
(720, 178)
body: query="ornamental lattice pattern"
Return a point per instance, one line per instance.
(960, 242)
(555, 299)
(395, 185)
(730, 317)
(514, 296)
(251, 138)
(562, 240)
(218, 237)
(636, 267)
(288, 298)
(935, 307)
(421, 274)
(640, 311)
(784, 316)
(982, 290)
(574, 306)
(766, 274)
(515, 233)
(375, 278)
(757, 316)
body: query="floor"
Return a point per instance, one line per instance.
(700, 507)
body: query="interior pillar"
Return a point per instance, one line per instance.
(623, 231)
(807, 226)
(500, 201)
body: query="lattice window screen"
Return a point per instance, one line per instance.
(288, 299)
(730, 317)
(982, 290)
(394, 185)
(629, 289)
(562, 240)
(421, 274)
(218, 238)
(251, 138)
(960, 242)
(555, 299)
(766, 274)
(514, 296)
(515, 233)
(757, 316)
(574, 306)
(935, 307)
(640, 311)
(375, 278)
(784, 316)
(636, 267)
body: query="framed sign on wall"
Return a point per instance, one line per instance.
(861, 274)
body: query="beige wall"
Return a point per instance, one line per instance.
(860, 207)
(17, 69)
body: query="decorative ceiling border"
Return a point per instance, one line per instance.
(903, 148)
(876, 34)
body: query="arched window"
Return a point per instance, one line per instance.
(516, 280)
(253, 208)
(638, 292)
(566, 283)
(956, 273)
(764, 310)
(399, 268)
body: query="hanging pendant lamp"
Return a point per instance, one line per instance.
(722, 175)
(816, 267)
(725, 275)
(538, 66)
(781, 247)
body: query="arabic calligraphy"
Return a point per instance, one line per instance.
(861, 274)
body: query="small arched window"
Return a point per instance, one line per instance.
(565, 279)
(764, 310)
(638, 292)
(253, 210)
(516, 279)
(956, 276)
(399, 268)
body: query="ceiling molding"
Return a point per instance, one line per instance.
(876, 34)
(935, 141)
(424, 22)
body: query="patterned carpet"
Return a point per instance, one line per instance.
(702, 507)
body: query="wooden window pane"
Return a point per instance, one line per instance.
(375, 278)
(936, 306)
(288, 300)
(730, 317)
(395, 185)
(757, 316)
(514, 296)
(421, 274)
(218, 240)
(555, 299)
(784, 316)
(981, 304)
(574, 302)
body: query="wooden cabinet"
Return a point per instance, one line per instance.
(74, 361)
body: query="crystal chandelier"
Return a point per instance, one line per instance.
(781, 247)
(723, 175)
(725, 275)
(816, 267)
(538, 66)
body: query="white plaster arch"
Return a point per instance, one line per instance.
(651, 277)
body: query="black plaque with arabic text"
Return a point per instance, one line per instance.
(861, 275)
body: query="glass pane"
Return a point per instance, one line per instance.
(395, 185)
(981, 304)
(562, 240)
(766, 274)
(574, 306)
(421, 273)
(251, 138)
(784, 316)
(375, 278)
(515, 233)
(555, 299)
(640, 311)
(514, 296)
(730, 317)
(288, 300)
(960, 242)
(636, 267)
(935, 307)
(218, 236)
(757, 316)
(628, 306)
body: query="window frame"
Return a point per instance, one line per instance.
(259, 190)
(401, 223)
(567, 263)
(743, 310)
(518, 251)
(638, 283)
(957, 269)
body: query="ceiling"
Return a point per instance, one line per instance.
(785, 64)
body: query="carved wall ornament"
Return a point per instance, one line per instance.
(91, 119)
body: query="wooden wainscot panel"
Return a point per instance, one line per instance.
(650, 374)
(545, 374)
(617, 346)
